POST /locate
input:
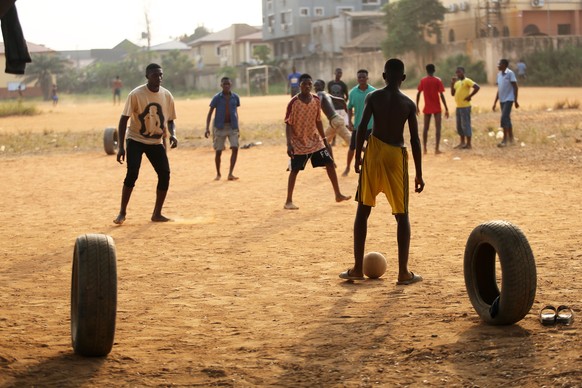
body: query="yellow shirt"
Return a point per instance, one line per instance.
(463, 88)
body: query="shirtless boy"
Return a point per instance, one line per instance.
(385, 167)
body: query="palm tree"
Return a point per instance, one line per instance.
(41, 71)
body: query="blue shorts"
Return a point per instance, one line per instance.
(464, 121)
(318, 159)
(506, 114)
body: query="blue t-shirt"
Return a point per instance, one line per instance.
(219, 103)
(294, 79)
(505, 86)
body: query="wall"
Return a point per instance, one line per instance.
(489, 50)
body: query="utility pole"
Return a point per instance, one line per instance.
(147, 34)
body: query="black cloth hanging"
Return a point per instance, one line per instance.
(15, 47)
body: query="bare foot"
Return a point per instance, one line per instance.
(346, 172)
(160, 218)
(438, 152)
(342, 197)
(217, 177)
(290, 206)
(119, 220)
(232, 178)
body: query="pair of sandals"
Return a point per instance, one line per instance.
(550, 315)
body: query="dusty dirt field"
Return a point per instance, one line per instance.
(239, 292)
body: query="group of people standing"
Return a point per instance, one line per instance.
(369, 119)
(463, 89)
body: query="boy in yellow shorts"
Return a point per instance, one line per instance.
(385, 167)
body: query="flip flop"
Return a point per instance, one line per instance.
(346, 275)
(564, 315)
(415, 279)
(548, 315)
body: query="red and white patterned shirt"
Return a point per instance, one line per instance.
(303, 118)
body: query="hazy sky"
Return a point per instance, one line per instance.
(83, 24)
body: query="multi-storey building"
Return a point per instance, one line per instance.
(472, 19)
(287, 24)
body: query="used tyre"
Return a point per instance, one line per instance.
(93, 295)
(507, 243)
(110, 141)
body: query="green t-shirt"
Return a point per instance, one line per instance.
(356, 100)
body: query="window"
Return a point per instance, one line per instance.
(371, 2)
(269, 5)
(285, 17)
(564, 29)
(319, 11)
(303, 11)
(531, 29)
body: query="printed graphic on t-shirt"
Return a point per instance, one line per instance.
(336, 90)
(152, 121)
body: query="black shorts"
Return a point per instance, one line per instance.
(353, 138)
(318, 159)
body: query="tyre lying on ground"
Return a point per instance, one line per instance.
(505, 242)
(93, 295)
(110, 141)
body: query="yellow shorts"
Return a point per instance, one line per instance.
(384, 169)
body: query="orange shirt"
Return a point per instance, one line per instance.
(303, 118)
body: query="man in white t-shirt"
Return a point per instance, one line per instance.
(152, 112)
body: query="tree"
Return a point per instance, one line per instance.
(199, 32)
(177, 67)
(410, 23)
(262, 53)
(42, 70)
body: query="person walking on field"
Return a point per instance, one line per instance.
(385, 167)
(432, 87)
(338, 88)
(116, 85)
(356, 101)
(463, 89)
(225, 125)
(337, 124)
(306, 140)
(521, 70)
(293, 82)
(152, 112)
(507, 96)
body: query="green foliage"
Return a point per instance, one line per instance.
(17, 109)
(555, 67)
(41, 71)
(474, 70)
(409, 23)
(261, 53)
(227, 71)
(199, 32)
(177, 67)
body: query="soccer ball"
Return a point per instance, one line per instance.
(374, 265)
